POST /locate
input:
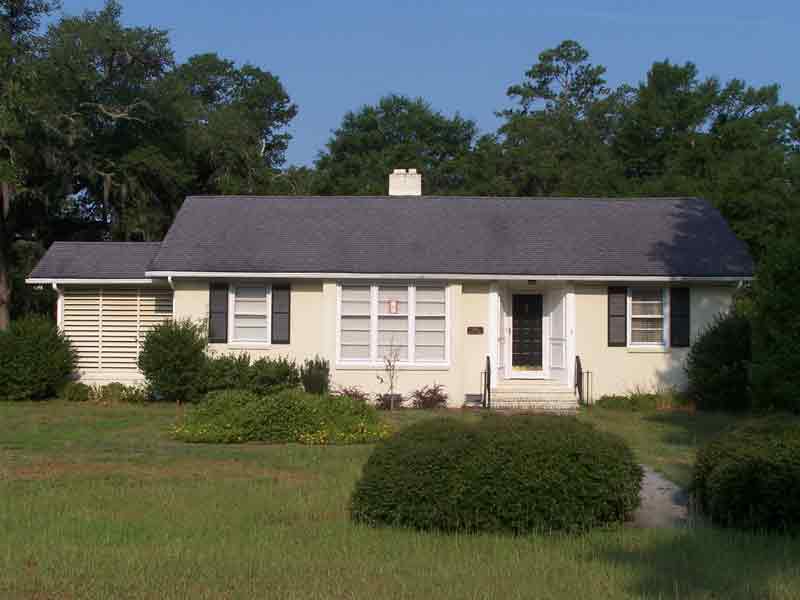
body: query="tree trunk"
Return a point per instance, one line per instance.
(5, 243)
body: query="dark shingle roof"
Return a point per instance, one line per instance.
(96, 260)
(456, 235)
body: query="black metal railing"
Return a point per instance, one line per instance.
(583, 383)
(486, 388)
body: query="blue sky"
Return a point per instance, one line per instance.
(334, 56)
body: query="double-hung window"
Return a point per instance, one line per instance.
(404, 322)
(250, 309)
(649, 316)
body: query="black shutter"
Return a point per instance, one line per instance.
(617, 316)
(281, 310)
(680, 318)
(218, 313)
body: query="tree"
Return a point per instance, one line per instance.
(237, 124)
(556, 139)
(19, 22)
(398, 132)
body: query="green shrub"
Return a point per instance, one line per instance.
(227, 372)
(776, 328)
(507, 474)
(272, 375)
(289, 416)
(112, 393)
(643, 401)
(749, 477)
(173, 360)
(429, 397)
(718, 365)
(316, 375)
(36, 360)
(354, 392)
(75, 391)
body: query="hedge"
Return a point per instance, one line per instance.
(513, 474)
(292, 415)
(749, 477)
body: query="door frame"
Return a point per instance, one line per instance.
(509, 328)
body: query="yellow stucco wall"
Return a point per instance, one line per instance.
(621, 370)
(313, 332)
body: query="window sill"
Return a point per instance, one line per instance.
(244, 345)
(345, 366)
(649, 349)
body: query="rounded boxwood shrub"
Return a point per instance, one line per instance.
(227, 372)
(718, 364)
(749, 477)
(36, 360)
(173, 360)
(272, 375)
(503, 474)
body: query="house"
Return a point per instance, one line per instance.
(537, 285)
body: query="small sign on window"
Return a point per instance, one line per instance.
(392, 306)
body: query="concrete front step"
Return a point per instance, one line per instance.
(536, 396)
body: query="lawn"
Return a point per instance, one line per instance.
(99, 502)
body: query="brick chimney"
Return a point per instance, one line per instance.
(405, 183)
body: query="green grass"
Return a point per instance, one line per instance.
(98, 502)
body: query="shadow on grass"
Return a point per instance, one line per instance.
(710, 563)
(691, 429)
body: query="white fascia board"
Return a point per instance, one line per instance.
(441, 277)
(68, 281)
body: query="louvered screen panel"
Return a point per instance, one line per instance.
(107, 325)
(82, 324)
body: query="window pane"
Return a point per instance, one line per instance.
(355, 300)
(646, 295)
(393, 337)
(646, 308)
(355, 338)
(355, 352)
(430, 294)
(429, 353)
(250, 328)
(392, 300)
(644, 336)
(251, 300)
(647, 324)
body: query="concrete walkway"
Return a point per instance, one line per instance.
(664, 504)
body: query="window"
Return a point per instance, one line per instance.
(251, 313)
(649, 309)
(430, 324)
(408, 321)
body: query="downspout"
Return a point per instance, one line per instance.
(172, 286)
(59, 306)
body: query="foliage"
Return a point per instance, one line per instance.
(514, 474)
(36, 360)
(228, 372)
(270, 375)
(397, 132)
(119, 393)
(776, 328)
(173, 360)
(429, 397)
(640, 400)
(718, 364)
(354, 392)
(749, 477)
(75, 391)
(289, 416)
(316, 375)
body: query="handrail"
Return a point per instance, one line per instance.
(579, 379)
(487, 384)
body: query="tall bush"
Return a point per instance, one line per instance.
(272, 375)
(718, 365)
(173, 360)
(228, 372)
(36, 360)
(776, 327)
(316, 375)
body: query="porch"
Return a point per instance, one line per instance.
(531, 346)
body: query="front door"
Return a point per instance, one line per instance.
(526, 334)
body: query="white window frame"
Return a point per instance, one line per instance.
(664, 343)
(374, 361)
(232, 340)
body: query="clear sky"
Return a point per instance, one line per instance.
(461, 55)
